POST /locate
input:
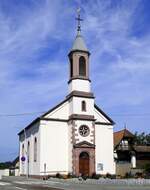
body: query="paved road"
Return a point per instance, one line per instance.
(20, 183)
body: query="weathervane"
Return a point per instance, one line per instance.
(79, 20)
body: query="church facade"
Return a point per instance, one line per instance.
(75, 136)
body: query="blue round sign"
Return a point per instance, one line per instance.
(23, 158)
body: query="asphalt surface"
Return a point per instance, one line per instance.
(21, 183)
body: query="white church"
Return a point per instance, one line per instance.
(75, 136)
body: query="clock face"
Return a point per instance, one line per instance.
(84, 130)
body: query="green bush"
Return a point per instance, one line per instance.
(108, 175)
(95, 176)
(147, 168)
(128, 175)
(58, 175)
(70, 175)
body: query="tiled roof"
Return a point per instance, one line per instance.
(119, 135)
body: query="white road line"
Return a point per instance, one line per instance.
(62, 188)
(20, 182)
(20, 188)
(3, 183)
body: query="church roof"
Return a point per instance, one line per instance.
(119, 135)
(79, 43)
(54, 108)
(42, 116)
(104, 114)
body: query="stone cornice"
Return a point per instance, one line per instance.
(81, 117)
(79, 77)
(81, 94)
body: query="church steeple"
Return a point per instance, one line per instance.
(79, 58)
(79, 43)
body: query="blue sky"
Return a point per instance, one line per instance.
(35, 38)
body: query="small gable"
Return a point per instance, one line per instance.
(101, 117)
(120, 135)
(84, 144)
(60, 111)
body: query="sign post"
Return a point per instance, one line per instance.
(27, 156)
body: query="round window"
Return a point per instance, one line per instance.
(84, 130)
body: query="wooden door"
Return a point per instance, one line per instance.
(84, 164)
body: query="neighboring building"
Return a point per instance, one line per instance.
(75, 136)
(14, 169)
(10, 168)
(129, 157)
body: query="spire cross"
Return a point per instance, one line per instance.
(125, 126)
(79, 20)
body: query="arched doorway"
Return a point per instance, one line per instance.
(84, 163)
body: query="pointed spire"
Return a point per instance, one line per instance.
(79, 43)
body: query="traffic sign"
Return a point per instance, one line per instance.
(23, 158)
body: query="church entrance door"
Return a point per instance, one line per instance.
(84, 163)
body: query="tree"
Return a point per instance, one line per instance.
(142, 139)
(5, 165)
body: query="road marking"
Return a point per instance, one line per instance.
(20, 188)
(20, 182)
(28, 182)
(3, 183)
(62, 188)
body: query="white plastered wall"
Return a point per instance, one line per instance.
(75, 106)
(33, 167)
(99, 117)
(79, 85)
(70, 147)
(60, 113)
(54, 147)
(104, 149)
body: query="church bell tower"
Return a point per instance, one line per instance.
(79, 80)
(81, 107)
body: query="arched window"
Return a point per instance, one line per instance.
(35, 149)
(83, 106)
(71, 67)
(82, 66)
(22, 149)
(28, 151)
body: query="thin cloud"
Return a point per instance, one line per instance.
(34, 41)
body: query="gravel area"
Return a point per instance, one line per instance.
(104, 181)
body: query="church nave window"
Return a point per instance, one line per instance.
(35, 149)
(83, 106)
(82, 66)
